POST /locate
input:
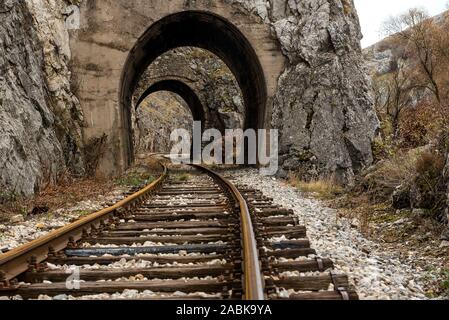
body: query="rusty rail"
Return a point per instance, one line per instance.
(253, 282)
(15, 262)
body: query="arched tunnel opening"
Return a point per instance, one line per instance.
(181, 89)
(201, 30)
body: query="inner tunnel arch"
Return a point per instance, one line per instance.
(207, 31)
(184, 91)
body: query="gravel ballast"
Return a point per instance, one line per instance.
(376, 273)
(14, 235)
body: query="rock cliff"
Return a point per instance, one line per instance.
(39, 116)
(155, 119)
(323, 108)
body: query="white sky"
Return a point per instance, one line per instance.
(373, 13)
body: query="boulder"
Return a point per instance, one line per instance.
(17, 219)
(444, 244)
(401, 198)
(445, 234)
(331, 114)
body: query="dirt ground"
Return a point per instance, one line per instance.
(410, 234)
(70, 191)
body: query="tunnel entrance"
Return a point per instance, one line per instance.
(206, 31)
(182, 90)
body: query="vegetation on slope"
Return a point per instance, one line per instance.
(402, 200)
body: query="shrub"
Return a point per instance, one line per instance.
(135, 179)
(419, 126)
(381, 180)
(7, 197)
(430, 165)
(382, 149)
(429, 183)
(445, 283)
(183, 177)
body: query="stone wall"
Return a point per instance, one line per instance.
(109, 52)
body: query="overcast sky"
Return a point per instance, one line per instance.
(373, 13)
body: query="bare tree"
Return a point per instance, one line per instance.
(399, 97)
(392, 94)
(417, 31)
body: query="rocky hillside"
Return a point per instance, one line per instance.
(382, 57)
(411, 90)
(156, 118)
(404, 95)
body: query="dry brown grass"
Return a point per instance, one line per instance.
(371, 201)
(382, 179)
(53, 197)
(70, 191)
(323, 188)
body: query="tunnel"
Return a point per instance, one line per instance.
(206, 31)
(181, 89)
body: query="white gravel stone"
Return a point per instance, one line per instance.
(24, 230)
(444, 244)
(17, 219)
(132, 294)
(377, 275)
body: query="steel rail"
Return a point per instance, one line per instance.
(253, 281)
(16, 261)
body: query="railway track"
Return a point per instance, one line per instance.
(191, 234)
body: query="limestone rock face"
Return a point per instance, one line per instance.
(38, 129)
(379, 60)
(49, 22)
(323, 107)
(29, 149)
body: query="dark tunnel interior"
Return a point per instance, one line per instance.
(206, 31)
